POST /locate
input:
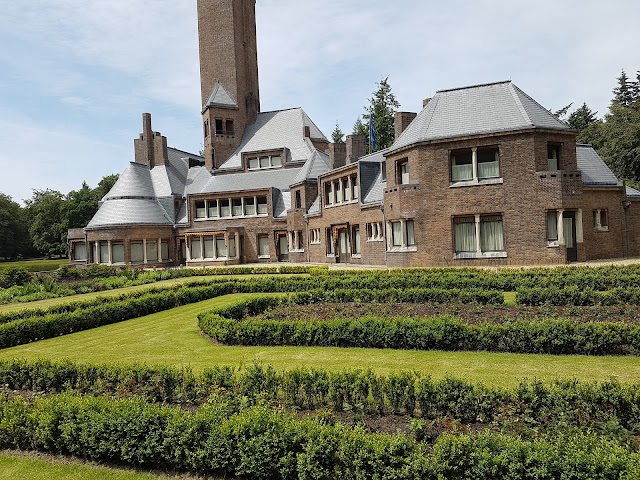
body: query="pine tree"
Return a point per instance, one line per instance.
(623, 94)
(382, 105)
(560, 114)
(337, 136)
(582, 118)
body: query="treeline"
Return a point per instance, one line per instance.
(616, 136)
(40, 227)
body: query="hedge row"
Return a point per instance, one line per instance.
(577, 296)
(229, 326)
(262, 443)
(568, 403)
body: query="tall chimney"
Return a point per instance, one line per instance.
(356, 147)
(150, 147)
(401, 121)
(337, 154)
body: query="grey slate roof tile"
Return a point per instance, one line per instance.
(275, 130)
(476, 110)
(135, 181)
(594, 170)
(279, 178)
(220, 98)
(129, 212)
(632, 193)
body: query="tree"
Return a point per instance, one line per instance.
(623, 94)
(80, 206)
(106, 184)
(560, 114)
(382, 107)
(49, 222)
(14, 232)
(621, 146)
(337, 136)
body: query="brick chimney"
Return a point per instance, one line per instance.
(150, 147)
(401, 121)
(337, 154)
(356, 148)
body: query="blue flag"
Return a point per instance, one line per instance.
(372, 132)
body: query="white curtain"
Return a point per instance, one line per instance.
(411, 235)
(491, 234)
(152, 251)
(164, 250)
(137, 255)
(552, 226)
(208, 248)
(117, 253)
(263, 246)
(465, 236)
(568, 232)
(196, 248)
(489, 169)
(396, 234)
(80, 251)
(461, 172)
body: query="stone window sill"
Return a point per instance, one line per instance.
(296, 251)
(473, 255)
(477, 182)
(600, 229)
(375, 239)
(402, 249)
(356, 255)
(264, 257)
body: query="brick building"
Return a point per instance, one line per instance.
(483, 175)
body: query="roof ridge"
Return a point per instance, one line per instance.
(542, 107)
(523, 111)
(473, 86)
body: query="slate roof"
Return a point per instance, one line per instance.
(129, 212)
(475, 110)
(220, 98)
(279, 178)
(372, 184)
(632, 193)
(594, 170)
(276, 130)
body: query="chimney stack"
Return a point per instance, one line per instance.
(401, 121)
(150, 147)
(337, 154)
(356, 148)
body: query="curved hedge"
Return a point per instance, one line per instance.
(228, 326)
(262, 443)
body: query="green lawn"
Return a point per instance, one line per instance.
(35, 265)
(10, 307)
(21, 466)
(172, 337)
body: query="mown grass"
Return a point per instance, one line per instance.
(25, 466)
(172, 337)
(35, 265)
(49, 302)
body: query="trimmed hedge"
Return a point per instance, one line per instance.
(551, 336)
(574, 295)
(565, 403)
(262, 443)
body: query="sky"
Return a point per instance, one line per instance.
(76, 75)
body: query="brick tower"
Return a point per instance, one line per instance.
(228, 74)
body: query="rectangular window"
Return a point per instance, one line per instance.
(553, 157)
(356, 240)
(117, 253)
(328, 193)
(396, 234)
(225, 209)
(354, 186)
(403, 172)
(552, 226)
(201, 211)
(600, 220)
(264, 162)
(212, 207)
(254, 163)
(346, 189)
(232, 246)
(196, 248)
(464, 231)
(79, 251)
(315, 235)
(276, 161)
(491, 234)
(263, 246)
(104, 252)
(411, 233)
(488, 163)
(208, 248)
(221, 247)
(137, 253)
(249, 206)
(164, 250)
(237, 207)
(461, 165)
(152, 251)
(219, 127)
(229, 127)
(262, 206)
(338, 188)
(330, 245)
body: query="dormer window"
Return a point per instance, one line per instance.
(264, 161)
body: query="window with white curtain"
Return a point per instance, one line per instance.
(465, 234)
(263, 246)
(137, 252)
(152, 251)
(79, 251)
(104, 252)
(208, 248)
(552, 226)
(221, 247)
(117, 252)
(196, 248)
(491, 240)
(491, 235)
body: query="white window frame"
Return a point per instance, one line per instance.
(475, 178)
(478, 221)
